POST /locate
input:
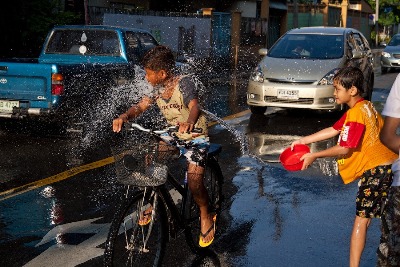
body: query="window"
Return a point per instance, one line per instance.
(84, 42)
(138, 43)
(312, 46)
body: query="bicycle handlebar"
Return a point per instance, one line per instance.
(141, 128)
(169, 129)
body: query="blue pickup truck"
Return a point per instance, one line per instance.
(77, 65)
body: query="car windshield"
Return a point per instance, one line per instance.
(84, 42)
(312, 46)
(395, 41)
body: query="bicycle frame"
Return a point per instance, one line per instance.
(169, 217)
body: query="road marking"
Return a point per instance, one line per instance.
(55, 178)
(93, 235)
(60, 253)
(76, 170)
(231, 117)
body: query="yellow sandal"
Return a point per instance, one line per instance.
(206, 244)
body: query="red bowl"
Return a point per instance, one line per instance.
(290, 159)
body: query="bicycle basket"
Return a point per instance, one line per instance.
(140, 164)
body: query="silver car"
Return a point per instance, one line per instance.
(297, 71)
(390, 57)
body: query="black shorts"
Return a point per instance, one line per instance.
(373, 190)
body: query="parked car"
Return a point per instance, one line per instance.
(297, 71)
(390, 57)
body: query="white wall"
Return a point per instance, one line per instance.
(166, 29)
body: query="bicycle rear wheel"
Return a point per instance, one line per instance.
(213, 180)
(128, 243)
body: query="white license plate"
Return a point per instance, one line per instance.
(7, 106)
(288, 94)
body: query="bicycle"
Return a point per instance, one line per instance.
(131, 244)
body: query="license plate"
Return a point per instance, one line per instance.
(288, 94)
(7, 106)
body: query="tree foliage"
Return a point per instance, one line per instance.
(389, 11)
(25, 24)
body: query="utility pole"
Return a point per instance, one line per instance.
(85, 3)
(376, 22)
(345, 5)
(295, 14)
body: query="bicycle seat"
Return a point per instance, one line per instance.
(214, 149)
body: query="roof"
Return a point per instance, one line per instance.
(100, 27)
(321, 30)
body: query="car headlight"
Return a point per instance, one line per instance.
(257, 75)
(328, 78)
(386, 54)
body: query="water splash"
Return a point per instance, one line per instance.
(112, 103)
(240, 137)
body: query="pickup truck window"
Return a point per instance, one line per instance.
(84, 42)
(138, 43)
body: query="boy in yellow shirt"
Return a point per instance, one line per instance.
(360, 154)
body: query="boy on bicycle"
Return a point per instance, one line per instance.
(177, 99)
(360, 154)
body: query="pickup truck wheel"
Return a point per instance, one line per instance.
(258, 110)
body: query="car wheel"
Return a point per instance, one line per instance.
(257, 110)
(384, 70)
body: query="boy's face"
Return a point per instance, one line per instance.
(343, 95)
(155, 77)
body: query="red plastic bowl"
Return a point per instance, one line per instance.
(290, 159)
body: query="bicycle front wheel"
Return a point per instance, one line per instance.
(212, 180)
(131, 244)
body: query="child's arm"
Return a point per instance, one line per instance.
(315, 137)
(131, 113)
(334, 151)
(194, 114)
(388, 134)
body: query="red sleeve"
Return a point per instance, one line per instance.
(339, 124)
(351, 134)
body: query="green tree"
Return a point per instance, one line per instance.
(25, 24)
(386, 17)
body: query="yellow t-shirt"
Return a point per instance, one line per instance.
(360, 128)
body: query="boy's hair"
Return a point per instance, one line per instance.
(350, 76)
(159, 58)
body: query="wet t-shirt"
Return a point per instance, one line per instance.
(359, 130)
(176, 109)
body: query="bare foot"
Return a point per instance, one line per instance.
(207, 230)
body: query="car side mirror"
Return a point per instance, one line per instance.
(263, 51)
(358, 54)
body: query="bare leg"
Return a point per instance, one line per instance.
(358, 237)
(200, 195)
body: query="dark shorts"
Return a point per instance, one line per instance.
(372, 193)
(194, 150)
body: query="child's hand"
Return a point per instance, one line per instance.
(297, 142)
(308, 159)
(185, 127)
(117, 125)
